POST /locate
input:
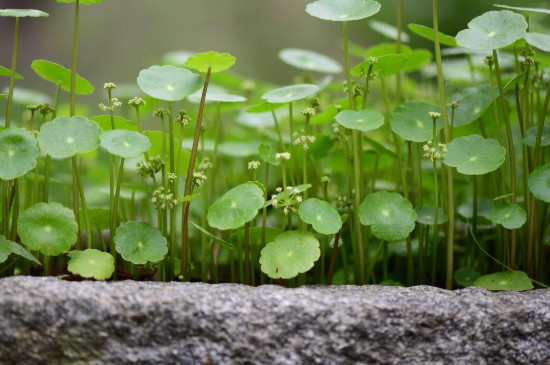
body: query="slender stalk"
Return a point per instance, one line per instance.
(114, 212)
(247, 268)
(278, 129)
(13, 72)
(83, 201)
(446, 131)
(189, 181)
(357, 201)
(512, 158)
(536, 159)
(15, 212)
(333, 257)
(436, 196)
(294, 175)
(264, 210)
(74, 59)
(399, 75)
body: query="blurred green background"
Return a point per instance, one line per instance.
(118, 38)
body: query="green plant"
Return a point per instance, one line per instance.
(310, 183)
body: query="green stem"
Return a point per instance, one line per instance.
(436, 196)
(46, 187)
(247, 253)
(357, 201)
(75, 53)
(446, 131)
(264, 210)
(333, 258)
(83, 201)
(348, 70)
(511, 155)
(13, 72)
(15, 212)
(294, 175)
(114, 212)
(189, 181)
(279, 134)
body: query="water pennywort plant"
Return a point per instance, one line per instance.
(399, 165)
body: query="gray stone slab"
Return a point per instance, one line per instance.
(49, 321)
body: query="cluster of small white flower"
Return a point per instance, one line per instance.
(199, 178)
(205, 164)
(136, 102)
(434, 153)
(115, 103)
(253, 165)
(283, 156)
(109, 86)
(287, 199)
(164, 198)
(303, 140)
(171, 177)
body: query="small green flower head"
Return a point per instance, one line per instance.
(372, 60)
(288, 199)
(136, 102)
(308, 112)
(171, 177)
(248, 85)
(338, 107)
(46, 109)
(529, 61)
(253, 165)
(182, 118)
(489, 61)
(454, 105)
(325, 179)
(151, 167)
(315, 103)
(161, 113)
(109, 86)
(33, 108)
(434, 115)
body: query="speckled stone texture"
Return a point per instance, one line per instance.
(48, 321)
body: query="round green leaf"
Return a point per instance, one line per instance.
(525, 10)
(391, 216)
(48, 227)
(58, 74)
(388, 30)
(140, 242)
(411, 121)
(236, 207)
(511, 216)
(18, 153)
(268, 154)
(217, 62)
(126, 144)
(7, 72)
(539, 183)
(290, 93)
(429, 34)
(168, 82)
(492, 30)
(310, 61)
(505, 280)
(343, 10)
(321, 215)
(5, 248)
(472, 105)
(417, 58)
(290, 254)
(364, 120)
(531, 136)
(538, 40)
(23, 13)
(91, 263)
(466, 276)
(426, 215)
(474, 155)
(65, 137)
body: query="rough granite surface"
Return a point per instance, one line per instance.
(49, 321)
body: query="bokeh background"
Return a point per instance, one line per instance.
(118, 38)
